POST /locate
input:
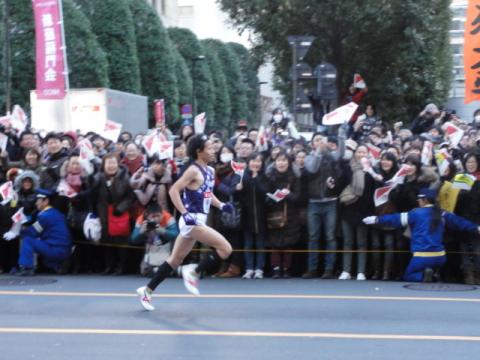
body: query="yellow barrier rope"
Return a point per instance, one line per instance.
(300, 251)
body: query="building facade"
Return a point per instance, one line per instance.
(457, 90)
(167, 10)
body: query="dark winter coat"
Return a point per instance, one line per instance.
(404, 196)
(364, 206)
(290, 234)
(50, 177)
(225, 190)
(115, 192)
(252, 198)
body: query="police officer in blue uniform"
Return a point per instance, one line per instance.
(48, 236)
(427, 225)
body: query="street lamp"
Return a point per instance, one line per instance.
(300, 46)
(194, 62)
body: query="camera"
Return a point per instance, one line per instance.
(449, 115)
(151, 225)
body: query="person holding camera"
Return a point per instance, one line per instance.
(426, 119)
(156, 228)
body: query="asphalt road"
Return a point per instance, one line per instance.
(95, 317)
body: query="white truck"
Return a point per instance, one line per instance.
(89, 109)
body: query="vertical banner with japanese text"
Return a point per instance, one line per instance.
(50, 64)
(159, 112)
(471, 52)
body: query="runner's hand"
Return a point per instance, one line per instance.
(228, 208)
(189, 219)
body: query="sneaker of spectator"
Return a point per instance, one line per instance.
(361, 276)
(248, 274)
(345, 276)
(258, 274)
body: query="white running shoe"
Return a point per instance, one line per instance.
(258, 274)
(191, 278)
(248, 274)
(361, 276)
(344, 276)
(145, 298)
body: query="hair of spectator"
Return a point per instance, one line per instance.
(111, 155)
(32, 151)
(196, 144)
(249, 141)
(177, 143)
(466, 157)
(153, 208)
(415, 161)
(24, 133)
(255, 156)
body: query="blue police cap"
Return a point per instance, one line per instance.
(43, 193)
(428, 194)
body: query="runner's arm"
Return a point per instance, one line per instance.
(186, 179)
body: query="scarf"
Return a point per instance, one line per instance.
(133, 165)
(358, 177)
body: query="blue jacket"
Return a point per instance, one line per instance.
(51, 227)
(419, 219)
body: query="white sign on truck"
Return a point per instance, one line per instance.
(89, 109)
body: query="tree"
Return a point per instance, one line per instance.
(399, 46)
(222, 104)
(157, 67)
(87, 61)
(235, 81)
(249, 70)
(113, 24)
(189, 47)
(2, 59)
(184, 80)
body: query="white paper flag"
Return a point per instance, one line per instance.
(340, 115)
(199, 123)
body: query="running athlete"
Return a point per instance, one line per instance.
(196, 183)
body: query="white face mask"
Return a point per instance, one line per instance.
(348, 155)
(277, 118)
(477, 118)
(226, 158)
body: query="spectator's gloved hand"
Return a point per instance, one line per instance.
(189, 219)
(10, 235)
(370, 220)
(227, 207)
(330, 182)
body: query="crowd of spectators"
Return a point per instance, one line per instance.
(327, 186)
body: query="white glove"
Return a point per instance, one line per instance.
(13, 232)
(370, 220)
(10, 235)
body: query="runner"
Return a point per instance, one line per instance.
(196, 183)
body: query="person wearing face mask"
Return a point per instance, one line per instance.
(279, 120)
(225, 190)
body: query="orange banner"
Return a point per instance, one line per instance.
(471, 52)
